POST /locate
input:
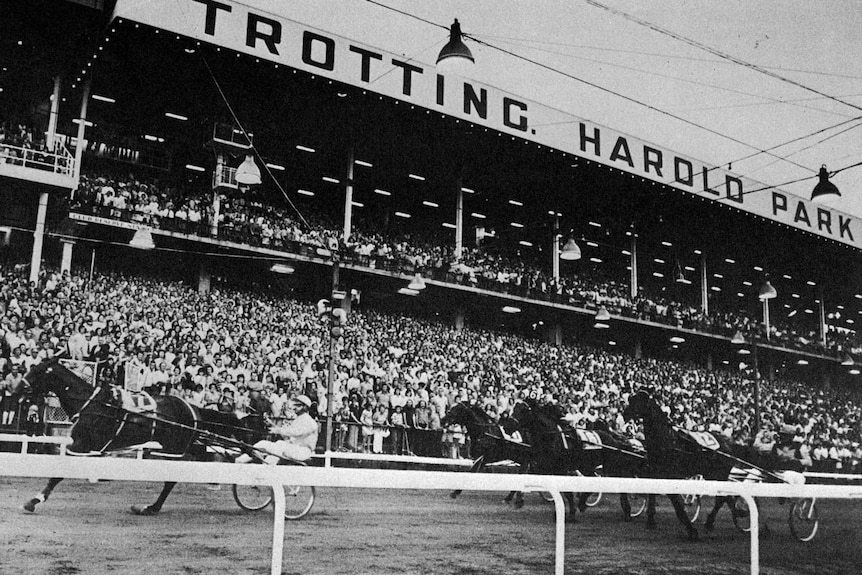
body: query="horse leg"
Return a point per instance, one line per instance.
(626, 507)
(650, 514)
(679, 507)
(43, 495)
(519, 499)
(716, 507)
(570, 497)
(477, 466)
(582, 501)
(157, 506)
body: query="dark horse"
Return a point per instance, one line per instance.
(560, 449)
(488, 442)
(101, 425)
(677, 454)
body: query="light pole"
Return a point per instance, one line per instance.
(738, 339)
(337, 318)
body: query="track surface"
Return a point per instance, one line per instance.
(87, 528)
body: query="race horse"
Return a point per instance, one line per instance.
(674, 453)
(559, 449)
(489, 442)
(101, 424)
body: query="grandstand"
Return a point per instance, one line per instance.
(372, 190)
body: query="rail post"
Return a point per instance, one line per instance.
(278, 526)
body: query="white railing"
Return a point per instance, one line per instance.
(279, 476)
(59, 163)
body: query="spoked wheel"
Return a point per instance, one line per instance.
(298, 501)
(252, 497)
(803, 519)
(742, 515)
(595, 498)
(638, 503)
(692, 502)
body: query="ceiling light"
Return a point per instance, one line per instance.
(570, 251)
(592, 244)
(747, 283)
(516, 203)
(176, 116)
(468, 190)
(477, 215)
(103, 99)
(357, 204)
(525, 243)
(787, 277)
(719, 276)
(363, 163)
(415, 177)
(767, 291)
(594, 224)
(603, 314)
(677, 339)
(600, 325)
(517, 225)
(282, 269)
(715, 288)
(666, 244)
(304, 193)
(802, 362)
(596, 260)
(417, 283)
(510, 309)
(626, 253)
(658, 274)
(730, 261)
(697, 252)
(305, 149)
(194, 168)
(448, 225)
(430, 204)
(248, 173)
(382, 192)
(408, 291)
(758, 269)
(811, 283)
(402, 214)
(275, 167)
(659, 261)
(689, 269)
(330, 180)
(142, 240)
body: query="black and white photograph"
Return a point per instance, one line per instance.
(398, 287)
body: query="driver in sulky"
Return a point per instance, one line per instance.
(299, 437)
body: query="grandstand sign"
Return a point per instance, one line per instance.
(285, 42)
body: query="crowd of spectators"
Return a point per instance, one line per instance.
(20, 145)
(250, 351)
(257, 223)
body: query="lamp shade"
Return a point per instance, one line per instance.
(824, 190)
(142, 240)
(848, 360)
(248, 173)
(737, 338)
(603, 314)
(680, 277)
(417, 283)
(570, 251)
(455, 47)
(767, 291)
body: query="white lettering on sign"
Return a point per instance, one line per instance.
(286, 42)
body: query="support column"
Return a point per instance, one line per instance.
(55, 112)
(555, 333)
(709, 361)
(822, 310)
(459, 319)
(766, 317)
(459, 221)
(348, 195)
(38, 236)
(633, 282)
(638, 351)
(66, 260)
(204, 278)
(555, 250)
(82, 128)
(216, 213)
(704, 286)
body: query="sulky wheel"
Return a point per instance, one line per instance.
(741, 515)
(252, 497)
(803, 519)
(692, 502)
(595, 498)
(638, 502)
(298, 501)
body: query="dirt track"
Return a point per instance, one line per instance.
(87, 528)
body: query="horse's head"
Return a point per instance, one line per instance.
(641, 405)
(465, 414)
(39, 380)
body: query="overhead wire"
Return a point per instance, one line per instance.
(716, 52)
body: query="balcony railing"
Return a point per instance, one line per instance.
(54, 168)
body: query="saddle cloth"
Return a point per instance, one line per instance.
(135, 401)
(703, 439)
(590, 439)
